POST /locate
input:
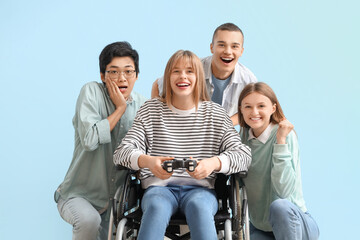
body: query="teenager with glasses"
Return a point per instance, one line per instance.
(103, 115)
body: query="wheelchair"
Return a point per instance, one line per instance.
(231, 220)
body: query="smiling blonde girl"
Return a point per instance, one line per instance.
(182, 124)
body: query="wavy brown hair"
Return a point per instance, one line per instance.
(265, 90)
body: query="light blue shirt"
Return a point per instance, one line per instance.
(92, 174)
(240, 77)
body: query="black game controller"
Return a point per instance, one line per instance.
(170, 165)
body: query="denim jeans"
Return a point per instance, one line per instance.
(198, 204)
(288, 222)
(87, 223)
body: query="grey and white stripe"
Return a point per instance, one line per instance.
(158, 131)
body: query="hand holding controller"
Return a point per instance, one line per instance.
(170, 165)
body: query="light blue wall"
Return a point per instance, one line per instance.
(306, 50)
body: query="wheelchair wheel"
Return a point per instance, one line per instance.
(123, 232)
(241, 223)
(238, 235)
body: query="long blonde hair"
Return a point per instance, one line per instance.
(200, 92)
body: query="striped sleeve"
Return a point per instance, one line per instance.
(132, 146)
(239, 154)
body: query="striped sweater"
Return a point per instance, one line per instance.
(159, 131)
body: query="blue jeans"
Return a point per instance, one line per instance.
(87, 223)
(198, 204)
(288, 222)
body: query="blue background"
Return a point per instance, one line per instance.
(307, 51)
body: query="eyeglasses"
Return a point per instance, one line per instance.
(116, 74)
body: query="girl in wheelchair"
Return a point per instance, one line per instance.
(276, 205)
(182, 123)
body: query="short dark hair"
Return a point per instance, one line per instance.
(118, 49)
(228, 27)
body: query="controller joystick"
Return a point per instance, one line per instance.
(170, 165)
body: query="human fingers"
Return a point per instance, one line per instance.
(200, 172)
(162, 159)
(284, 129)
(155, 165)
(116, 96)
(161, 173)
(286, 124)
(116, 88)
(166, 158)
(109, 85)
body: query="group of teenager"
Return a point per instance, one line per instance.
(192, 114)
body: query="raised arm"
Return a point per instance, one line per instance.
(119, 101)
(285, 161)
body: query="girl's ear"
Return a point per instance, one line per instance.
(274, 108)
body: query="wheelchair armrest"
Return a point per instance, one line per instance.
(242, 174)
(120, 167)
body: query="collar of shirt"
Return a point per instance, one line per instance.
(265, 134)
(208, 73)
(184, 112)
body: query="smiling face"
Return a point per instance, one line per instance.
(121, 65)
(257, 110)
(182, 82)
(226, 48)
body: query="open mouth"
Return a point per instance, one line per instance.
(183, 84)
(122, 88)
(227, 60)
(255, 119)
